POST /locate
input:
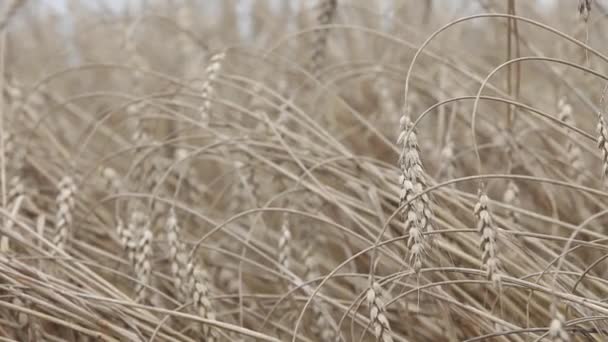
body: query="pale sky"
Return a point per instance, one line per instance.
(60, 5)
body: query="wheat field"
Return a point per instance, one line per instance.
(328, 170)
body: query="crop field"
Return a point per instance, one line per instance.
(304, 171)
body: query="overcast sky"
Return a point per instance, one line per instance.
(60, 5)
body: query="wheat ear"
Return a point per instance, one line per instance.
(321, 326)
(511, 197)
(15, 198)
(15, 156)
(321, 318)
(12, 8)
(142, 263)
(211, 73)
(139, 136)
(417, 214)
(557, 332)
(584, 9)
(487, 230)
(447, 156)
(112, 180)
(126, 238)
(573, 151)
(602, 142)
(284, 247)
(197, 287)
(327, 12)
(138, 242)
(202, 304)
(387, 103)
(65, 206)
(377, 314)
(177, 255)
